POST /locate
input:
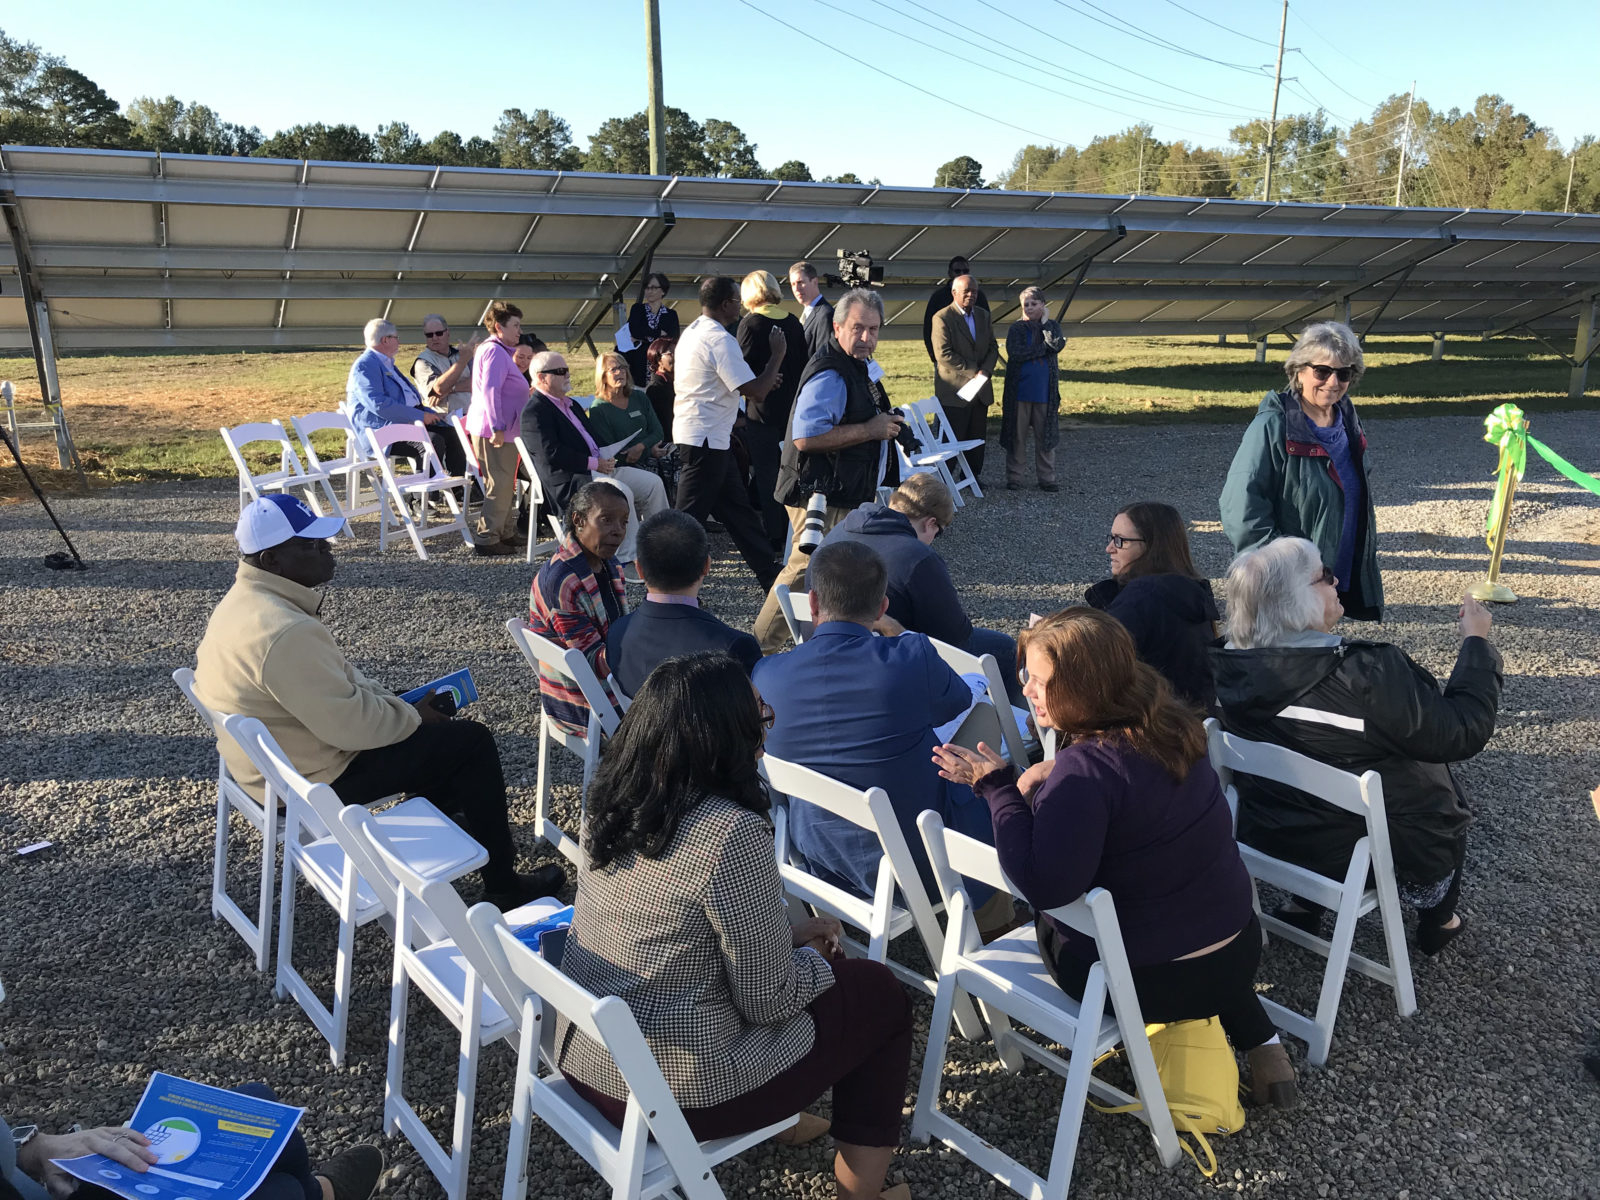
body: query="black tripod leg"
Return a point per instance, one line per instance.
(49, 512)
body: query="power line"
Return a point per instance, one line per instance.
(1312, 64)
(1221, 26)
(1134, 31)
(904, 82)
(1333, 45)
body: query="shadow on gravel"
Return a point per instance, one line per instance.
(63, 757)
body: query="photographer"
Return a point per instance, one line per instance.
(838, 444)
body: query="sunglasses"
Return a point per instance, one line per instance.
(1322, 371)
(1327, 577)
(434, 332)
(556, 371)
(1118, 541)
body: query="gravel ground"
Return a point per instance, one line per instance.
(114, 967)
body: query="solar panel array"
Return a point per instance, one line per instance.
(134, 249)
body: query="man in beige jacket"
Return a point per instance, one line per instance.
(963, 349)
(266, 655)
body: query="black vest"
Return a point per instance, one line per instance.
(848, 477)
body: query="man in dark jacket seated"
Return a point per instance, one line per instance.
(922, 596)
(1284, 677)
(674, 556)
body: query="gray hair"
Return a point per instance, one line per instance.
(543, 360)
(855, 296)
(589, 497)
(1269, 593)
(375, 330)
(434, 317)
(1030, 293)
(1326, 339)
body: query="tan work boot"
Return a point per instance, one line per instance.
(1272, 1076)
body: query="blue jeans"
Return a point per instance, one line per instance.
(1004, 648)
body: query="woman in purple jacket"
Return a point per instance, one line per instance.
(494, 419)
(1130, 804)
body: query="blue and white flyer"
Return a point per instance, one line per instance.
(213, 1144)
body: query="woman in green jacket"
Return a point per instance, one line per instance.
(1302, 469)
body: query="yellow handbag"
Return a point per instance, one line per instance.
(1200, 1078)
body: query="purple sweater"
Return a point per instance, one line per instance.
(1109, 817)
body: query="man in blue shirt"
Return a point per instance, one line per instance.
(838, 442)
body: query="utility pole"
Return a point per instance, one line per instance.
(1405, 139)
(658, 114)
(1272, 125)
(1139, 186)
(1572, 165)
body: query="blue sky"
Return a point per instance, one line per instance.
(1024, 68)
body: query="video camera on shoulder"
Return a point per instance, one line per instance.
(856, 270)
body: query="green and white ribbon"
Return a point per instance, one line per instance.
(1507, 428)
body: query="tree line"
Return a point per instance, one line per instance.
(1489, 156)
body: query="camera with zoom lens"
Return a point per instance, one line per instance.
(811, 528)
(856, 270)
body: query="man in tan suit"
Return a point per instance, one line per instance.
(964, 347)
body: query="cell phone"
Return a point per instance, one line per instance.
(444, 702)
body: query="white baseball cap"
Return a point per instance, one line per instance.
(273, 520)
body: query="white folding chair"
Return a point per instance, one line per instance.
(453, 971)
(882, 919)
(654, 1153)
(796, 610)
(318, 848)
(1012, 981)
(264, 819)
(474, 468)
(533, 490)
(964, 663)
(928, 413)
(361, 474)
(1350, 897)
(421, 485)
(603, 722)
(291, 475)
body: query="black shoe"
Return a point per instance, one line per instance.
(1308, 920)
(1592, 1061)
(493, 549)
(1049, 487)
(1433, 938)
(541, 881)
(353, 1173)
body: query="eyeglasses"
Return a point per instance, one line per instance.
(1118, 541)
(434, 332)
(1327, 577)
(1323, 370)
(768, 717)
(556, 371)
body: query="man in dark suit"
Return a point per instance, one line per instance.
(964, 348)
(863, 709)
(674, 556)
(940, 299)
(816, 314)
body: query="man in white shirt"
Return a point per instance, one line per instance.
(709, 378)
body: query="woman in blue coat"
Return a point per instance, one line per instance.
(1302, 469)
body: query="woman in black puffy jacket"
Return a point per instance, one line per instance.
(1160, 598)
(1284, 677)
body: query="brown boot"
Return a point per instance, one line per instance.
(807, 1129)
(1272, 1076)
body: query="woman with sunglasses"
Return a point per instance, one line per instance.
(680, 913)
(1302, 470)
(1157, 594)
(1285, 677)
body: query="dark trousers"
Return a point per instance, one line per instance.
(968, 420)
(709, 485)
(1434, 917)
(765, 443)
(289, 1179)
(1220, 984)
(448, 447)
(456, 765)
(862, 1051)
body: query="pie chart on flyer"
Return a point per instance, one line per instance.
(174, 1139)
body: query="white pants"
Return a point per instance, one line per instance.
(646, 496)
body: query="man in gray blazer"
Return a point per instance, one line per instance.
(963, 348)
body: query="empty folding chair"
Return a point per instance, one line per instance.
(899, 903)
(420, 486)
(473, 468)
(1011, 979)
(796, 610)
(532, 491)
(928, 457)
(355, 468)
(654, 1153)
(603, 722)
(290, 476)
(263, 817)
(339, 868)
(1349, 897)
(928, 413)
(452, 970)
(964, 663)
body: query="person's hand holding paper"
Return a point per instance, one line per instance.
(970, 389)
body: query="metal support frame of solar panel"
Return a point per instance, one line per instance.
(138, 249)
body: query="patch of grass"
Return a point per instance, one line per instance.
(154, 415)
